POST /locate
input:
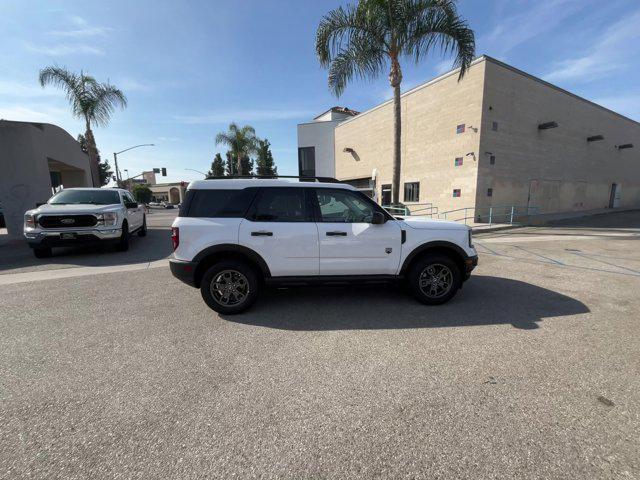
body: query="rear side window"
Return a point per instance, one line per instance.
(277, 204)
(219, 203)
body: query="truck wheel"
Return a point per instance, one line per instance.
(42, 252)
(434, 279)
(143, 230)
(229, 287)
(123, 243)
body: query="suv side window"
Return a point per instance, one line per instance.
(343, 206)
(280, 204)
(218, 203)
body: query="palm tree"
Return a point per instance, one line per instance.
(242, 142)
(359, 41)
(90, 100)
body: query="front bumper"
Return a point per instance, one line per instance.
(469, 264)
(183, 271)
(59, 238)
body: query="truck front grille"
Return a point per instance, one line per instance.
(66, 221)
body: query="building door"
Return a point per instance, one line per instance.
(614, 196)
(386, 195)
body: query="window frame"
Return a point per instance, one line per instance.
(257, 199)
(312, 197)
(459, 190)
(185, 207)
(490, 192)
(404, 191)
(461, 128)
(300, 149)
(455, 161)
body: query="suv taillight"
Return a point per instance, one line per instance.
(175, 237)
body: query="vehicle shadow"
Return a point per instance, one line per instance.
(155, 246)
(484, 300)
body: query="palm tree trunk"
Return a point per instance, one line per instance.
(93, 158)
(395, 78)
(239, 161)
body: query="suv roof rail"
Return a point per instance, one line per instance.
(301, 178)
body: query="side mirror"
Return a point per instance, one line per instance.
(378, 218)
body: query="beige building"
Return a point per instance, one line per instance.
(498, 138)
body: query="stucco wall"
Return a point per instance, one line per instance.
(25, 150)
(569, 173)
(430, 114)
(320, 134)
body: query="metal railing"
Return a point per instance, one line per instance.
(422, 209)
(505, 214)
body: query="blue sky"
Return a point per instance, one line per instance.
(190, 68)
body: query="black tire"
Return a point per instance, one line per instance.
(439, 276)
(123, 243)
(42, 252)
(143, 229)
(238, 274)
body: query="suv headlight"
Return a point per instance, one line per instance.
(108, 219)
(29, 220)
(470, 239)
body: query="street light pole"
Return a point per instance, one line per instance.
(115, 158)
(197, 171)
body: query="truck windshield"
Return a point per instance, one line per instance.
(93, 197)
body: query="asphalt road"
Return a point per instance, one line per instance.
(530, 372)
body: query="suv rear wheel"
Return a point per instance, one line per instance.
(434, 279)
(229, 287)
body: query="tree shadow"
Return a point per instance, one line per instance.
(484, 300)
(155, 246)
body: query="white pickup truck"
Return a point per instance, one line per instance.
(80, 216)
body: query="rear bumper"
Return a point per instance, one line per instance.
(40, 238)
(183, 271)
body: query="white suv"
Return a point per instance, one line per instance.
(80, 216)
(232, 236)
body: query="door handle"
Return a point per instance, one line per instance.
(336, 234)
(262, 234)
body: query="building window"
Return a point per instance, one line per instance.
(489, 192)
(412, 192)
(458, 161)
(492, 160)
(307, 161)
(494, 127)
(460, 129)
(457, 192)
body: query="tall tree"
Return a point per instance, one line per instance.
(217, 167)
(90, 100)
(364, 40)
(242, 142)
(104, 169)
(231, 165)
(264, 160)
(246, 165)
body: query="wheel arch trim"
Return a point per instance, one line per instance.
(434, 245)
(252, 255)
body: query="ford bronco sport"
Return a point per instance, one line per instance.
(234, 235)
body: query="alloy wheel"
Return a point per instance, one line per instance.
(436, 280)
(229, 288)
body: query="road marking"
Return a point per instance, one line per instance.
(12, 278)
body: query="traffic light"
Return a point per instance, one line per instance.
(156, 170)
(164, 172)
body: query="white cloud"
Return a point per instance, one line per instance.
(528, 23)
(83, 29)
(244, 116)
(609, 53)
(43, 113)
(63, 50)
(31, 89)
(628, 105)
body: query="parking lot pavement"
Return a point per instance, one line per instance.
(17, 257)
(530, 372)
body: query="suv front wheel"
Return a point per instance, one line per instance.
(434, 279)
(229, 287)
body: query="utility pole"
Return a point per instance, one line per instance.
(115, 158)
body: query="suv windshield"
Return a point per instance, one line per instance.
(94, 197)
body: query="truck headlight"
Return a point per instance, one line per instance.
(29, 220)
(108, 219)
